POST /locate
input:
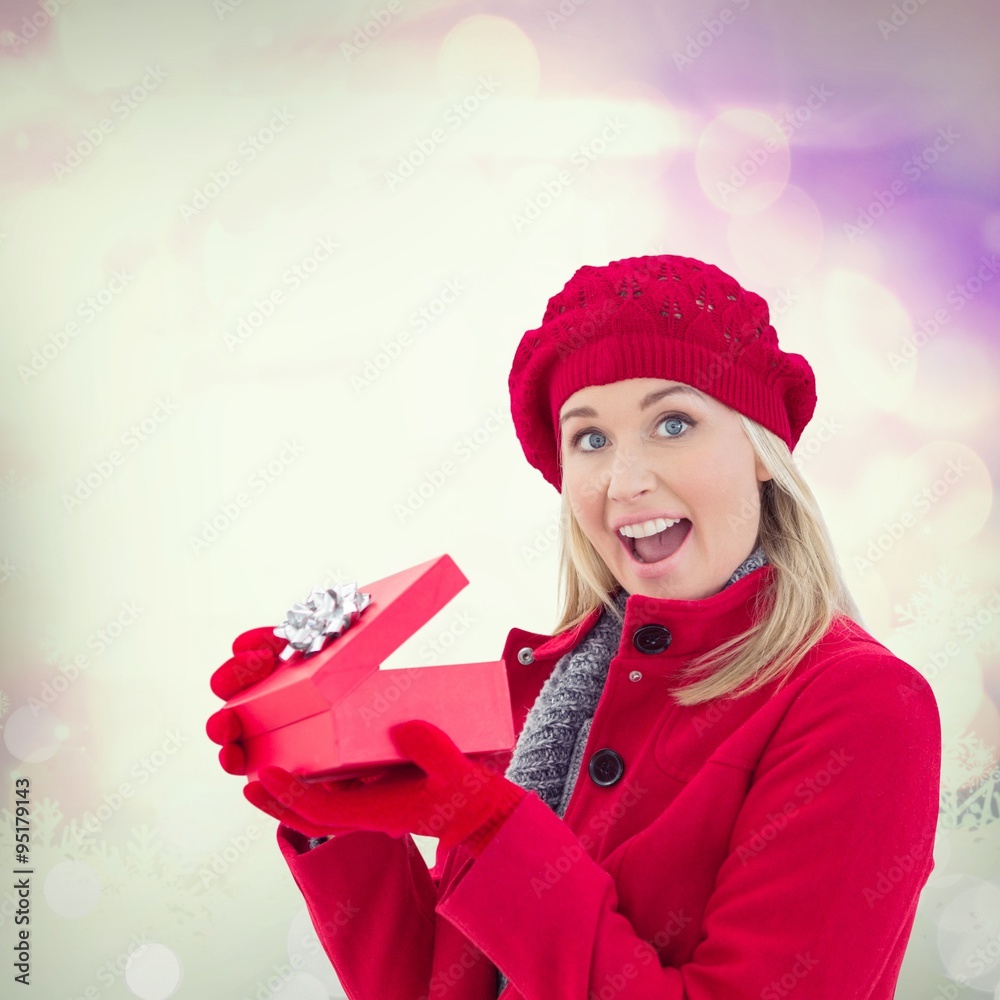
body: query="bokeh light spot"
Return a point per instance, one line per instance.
(866, 324)
(153, 972)
(742, 161)
(482, 45)
(72, 889)
(779, 245)
(32, 734)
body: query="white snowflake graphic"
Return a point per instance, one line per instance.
(945, 610)
(970, 784)
(52, 650)
(941, 602)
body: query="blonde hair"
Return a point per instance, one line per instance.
(790, 616)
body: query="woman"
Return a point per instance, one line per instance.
(735, 785)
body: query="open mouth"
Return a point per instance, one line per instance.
(656, 548)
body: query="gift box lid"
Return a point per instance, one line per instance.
(306, 685)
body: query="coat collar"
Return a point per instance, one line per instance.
(695, 626)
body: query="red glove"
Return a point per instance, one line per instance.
(455, 800)
(255, 656)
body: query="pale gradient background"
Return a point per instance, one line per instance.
(605, 131)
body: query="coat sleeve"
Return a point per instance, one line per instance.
(827, 858)
(371, 900)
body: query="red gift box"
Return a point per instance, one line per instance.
(327, 714)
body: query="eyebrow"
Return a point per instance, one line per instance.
(647, 401)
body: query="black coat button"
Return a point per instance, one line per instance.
(606, 767)
(651, 638)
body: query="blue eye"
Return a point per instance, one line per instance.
(585, 434)
(674, 419)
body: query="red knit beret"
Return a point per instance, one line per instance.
(655, 317)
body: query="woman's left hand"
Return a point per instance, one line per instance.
(454, 798)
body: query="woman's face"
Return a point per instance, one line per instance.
(650, 448)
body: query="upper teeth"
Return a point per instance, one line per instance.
(645, 528)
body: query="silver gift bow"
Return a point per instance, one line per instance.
(326, 613)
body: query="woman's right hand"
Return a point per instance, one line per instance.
(255, 656)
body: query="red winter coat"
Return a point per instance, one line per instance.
(746, 849)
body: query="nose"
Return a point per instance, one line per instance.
(630, 475)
